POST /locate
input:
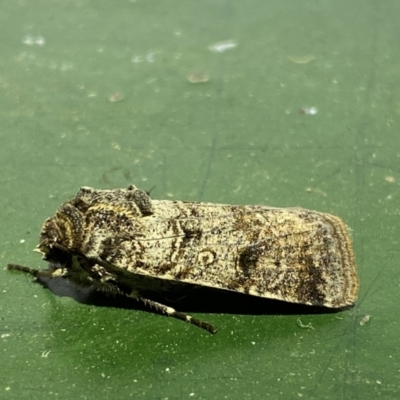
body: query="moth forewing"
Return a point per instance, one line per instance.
(293, 254)
(114, 239)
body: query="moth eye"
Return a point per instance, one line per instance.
(131, 187)
(85, 190)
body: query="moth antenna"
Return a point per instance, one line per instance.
(27, 270)
(171, 312)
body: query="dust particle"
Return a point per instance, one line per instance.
(115, 97)
(390, 179)
(365, 319)
(301, 60)
(197, 77)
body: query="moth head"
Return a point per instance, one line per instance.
(61, 234)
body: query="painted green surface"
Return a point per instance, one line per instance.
(238, 138)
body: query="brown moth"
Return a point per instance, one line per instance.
(123, 242)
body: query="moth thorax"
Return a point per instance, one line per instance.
(64, 229)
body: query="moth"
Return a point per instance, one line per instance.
(123, 242)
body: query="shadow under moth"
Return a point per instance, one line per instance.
(122, 242)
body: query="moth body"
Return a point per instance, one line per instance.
(120, 239)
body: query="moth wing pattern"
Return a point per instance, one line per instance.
(292, 255)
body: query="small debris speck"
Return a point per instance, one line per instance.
(308, 110)
(220, 47)
(197, 77)
(365, 319)
(115, 97)
(301, 60)
(390, 179)
(301, 325)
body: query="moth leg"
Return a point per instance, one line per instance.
(171, 312)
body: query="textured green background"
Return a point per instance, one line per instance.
(238, 138)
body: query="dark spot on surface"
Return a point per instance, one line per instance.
(233, 284)
(183, 273)
(163, 269)
(193, 211)
(194, 234)
(248, 258)
(309, 285)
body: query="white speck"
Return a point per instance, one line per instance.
(379, 382)
(191, 394)
(30, 40)
(40, 41)
(115, 97)
(313, 110)
(135, 380)
(45, 354)
(166, 369)
(22, 241)
(115, 146)
(65, 66)
(390, 179)
(220, 47)
(4, 335)
(365, 319)
(137, 59)
(197, 77)
(253, 343)
(150, 57)
(302, 59)
(103, 375)
(389, 197)
(309, 110)
(8, 388)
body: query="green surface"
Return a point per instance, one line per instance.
(239, 139)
